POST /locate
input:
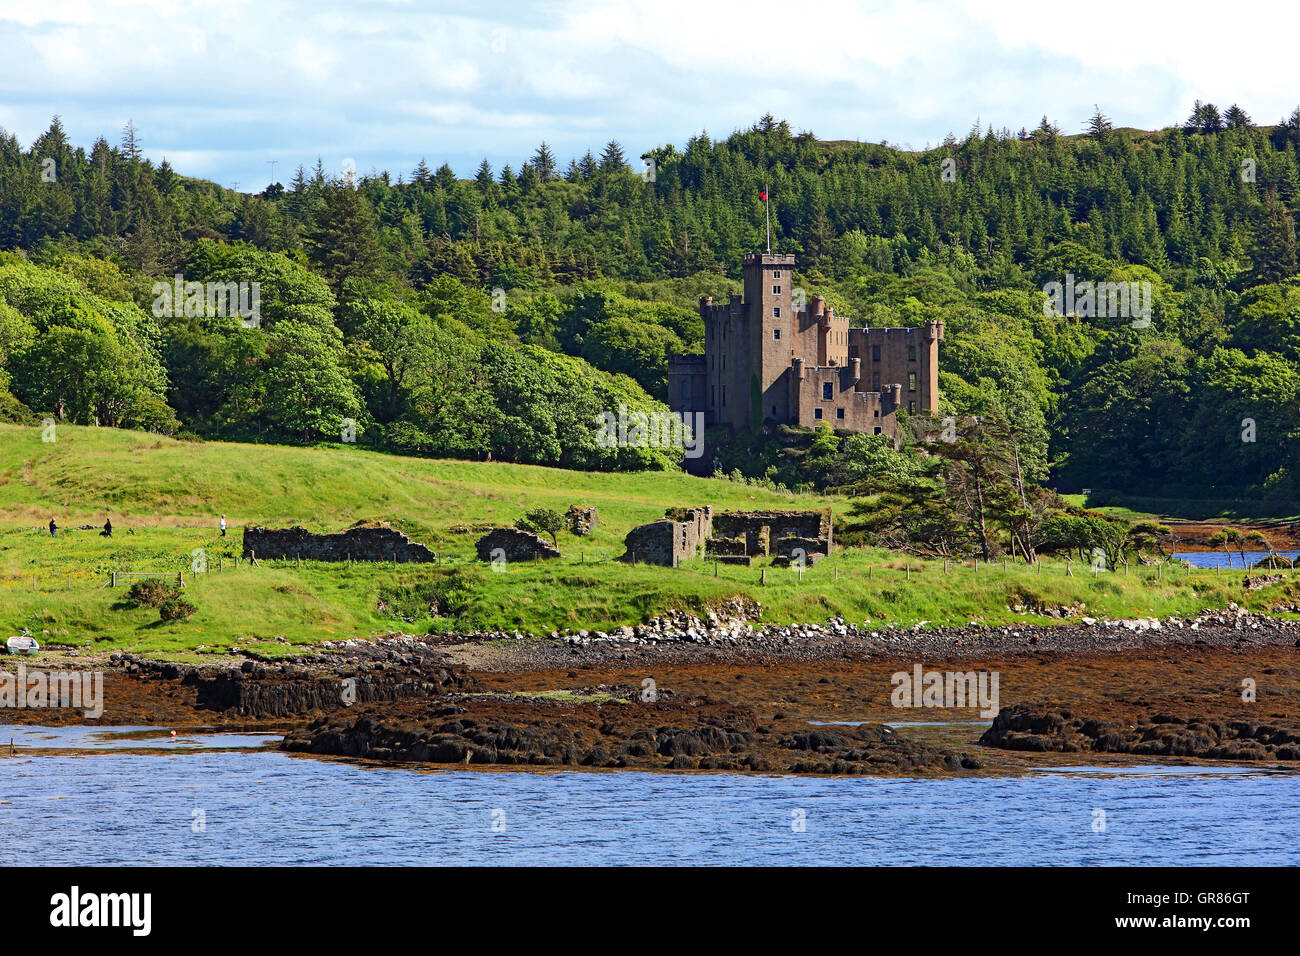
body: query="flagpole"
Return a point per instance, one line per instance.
(767, 214)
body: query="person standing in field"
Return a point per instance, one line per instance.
(54, 529)
(223, 526)
(108, 527)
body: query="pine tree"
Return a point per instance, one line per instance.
(1099, 126)
(130, 141)
(343, 238)
(543, 163)
(612, 159)
(1274, 252)
(1236, 117)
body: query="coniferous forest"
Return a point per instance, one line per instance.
(498, 316)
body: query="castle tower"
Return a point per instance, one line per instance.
(768, 303)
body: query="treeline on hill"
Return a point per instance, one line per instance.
(496, 315)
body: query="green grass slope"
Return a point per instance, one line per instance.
(165, 497)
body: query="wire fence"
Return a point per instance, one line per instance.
(899, 569)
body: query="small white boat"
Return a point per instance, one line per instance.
(22, 644)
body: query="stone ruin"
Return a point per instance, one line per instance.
(783, 535)
(512, 544)
(364, 542)
(731, 537)
(675, 538)
(581, 521)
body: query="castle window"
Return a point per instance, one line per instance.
(828, 391)
(839, 413)
(776, 290)
(817, 414)
(776, 333)
(911, 408)
(875, 353)
(911, 381)
(911, 353)
(776, 312)
(876, 414)
(875, 381)
(877, 430)
(724, 396)
(776, 273)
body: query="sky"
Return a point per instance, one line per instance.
(223, 89)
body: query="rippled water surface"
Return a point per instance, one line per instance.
(1217, 559)
(89, 797)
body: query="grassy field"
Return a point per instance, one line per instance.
(165, 497)
(1222, 510)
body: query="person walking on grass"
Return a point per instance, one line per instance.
(54, 529)
(108, 528)
(223, 526)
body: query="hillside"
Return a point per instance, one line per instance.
(165, 496)
(495, 316)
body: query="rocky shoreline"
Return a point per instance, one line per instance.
(729, 695)
(1056, 728)
(618, 732)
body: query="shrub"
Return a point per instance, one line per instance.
(151, 592)
(176, 608)
(542, 521)
(167, 598)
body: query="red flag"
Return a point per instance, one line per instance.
(763, 195)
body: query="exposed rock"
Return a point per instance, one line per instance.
(581, 521)
(1051, 728)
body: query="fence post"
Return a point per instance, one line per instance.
(763, 577)
(112, 579)
(909, 570)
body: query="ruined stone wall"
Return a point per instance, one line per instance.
(759, 529)
(363, 543)
(581, 521)
(672, 540)
(511, 544)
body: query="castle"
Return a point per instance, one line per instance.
(765, 362)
